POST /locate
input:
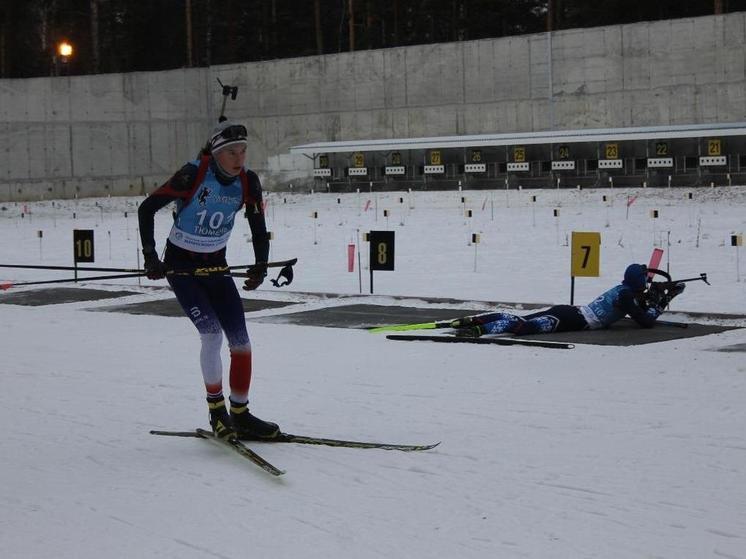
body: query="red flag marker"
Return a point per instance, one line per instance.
(350, 258)
(655, 260)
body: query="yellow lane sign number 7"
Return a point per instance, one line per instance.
(586, 254)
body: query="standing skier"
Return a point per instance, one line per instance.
(209, 192)
(625, 299)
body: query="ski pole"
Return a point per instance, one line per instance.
(669, 323)
(71, 268)
(140, 273)
(7, 285)
(137, 270)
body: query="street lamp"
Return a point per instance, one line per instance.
(65, 50)
(62, 53)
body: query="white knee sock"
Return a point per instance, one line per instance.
(209, 360)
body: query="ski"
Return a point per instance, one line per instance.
(428, 325)
(240, 449)
(405, 327)
(303, 439)
(495, 341)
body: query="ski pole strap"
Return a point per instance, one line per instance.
(286, 274)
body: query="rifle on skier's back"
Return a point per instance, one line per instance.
(228, 91)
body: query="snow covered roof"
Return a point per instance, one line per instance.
(524, 138)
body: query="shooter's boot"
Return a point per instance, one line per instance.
(465, 321)
(470, 331)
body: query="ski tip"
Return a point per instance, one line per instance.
(413, 448)
(174, 433)
(204, 433)
(379, 329)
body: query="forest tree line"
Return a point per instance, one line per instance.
(128, 36)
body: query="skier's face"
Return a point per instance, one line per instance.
(231, 159)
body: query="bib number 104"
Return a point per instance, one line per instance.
(216, 219)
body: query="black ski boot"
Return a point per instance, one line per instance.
(250, 427)
(220, 421)
(471, 331)
(464, 322)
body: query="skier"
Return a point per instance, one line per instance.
(209, 192)
(625, 299)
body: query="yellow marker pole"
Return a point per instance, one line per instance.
(585, 258)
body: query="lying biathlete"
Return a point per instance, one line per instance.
(625, 299)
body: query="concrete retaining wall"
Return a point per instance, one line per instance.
(123, 133)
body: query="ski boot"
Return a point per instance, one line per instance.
(220, 421)
(471, 331)
(464, 322)
(250, 427)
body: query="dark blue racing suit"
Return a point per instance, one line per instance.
(608, 308)
(207, 202)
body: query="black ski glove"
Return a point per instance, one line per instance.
(677, 289)
(255, 276)
(666, 299)
(154, 268)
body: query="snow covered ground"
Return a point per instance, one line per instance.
(601, 451)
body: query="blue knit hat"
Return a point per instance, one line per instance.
(635, 276)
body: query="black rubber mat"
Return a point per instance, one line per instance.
(364, 316)
(627, 333)
(171, 307)
(59, 295)
(623, 333)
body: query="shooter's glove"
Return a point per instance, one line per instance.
(154, 268)
(255, 276)
(651, 299)
(677, 289)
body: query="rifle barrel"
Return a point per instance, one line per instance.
(702, 277)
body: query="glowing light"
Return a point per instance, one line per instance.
(65, 49)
